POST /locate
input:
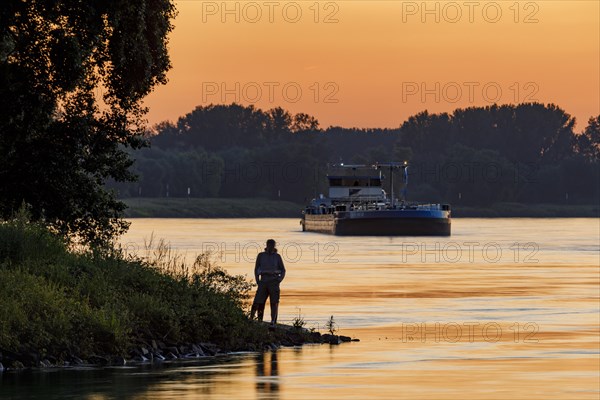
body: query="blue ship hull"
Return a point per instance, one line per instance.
(401, 222)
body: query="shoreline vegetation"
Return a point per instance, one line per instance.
(173, 207)
(65, 306)
(527, 153)
(264, 208)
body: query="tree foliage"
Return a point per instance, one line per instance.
(473, 157)
(588, 143)
(60, 138)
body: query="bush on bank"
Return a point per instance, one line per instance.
(59, 302)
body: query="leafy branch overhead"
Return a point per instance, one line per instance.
(59, 138)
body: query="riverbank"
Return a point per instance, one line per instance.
(210, 208)
(64, 307)
(157, 351)
(520, 210)
(261, 208)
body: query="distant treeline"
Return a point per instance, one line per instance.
(476, 156)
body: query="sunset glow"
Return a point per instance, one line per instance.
(374, 63)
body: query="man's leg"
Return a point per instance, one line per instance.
(274, 311)
(274, 300)
(261, 311)
(260, 299)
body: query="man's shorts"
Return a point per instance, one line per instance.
(268, 287)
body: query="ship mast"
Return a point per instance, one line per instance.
(392, 184)
(392, 166)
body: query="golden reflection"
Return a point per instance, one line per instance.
(474, 329)
(267, 375)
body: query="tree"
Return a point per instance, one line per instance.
(588, 143)
(537, 133)
(304, 123)
(427, 133)
(481, 176)
(60, 139)
(280, 122)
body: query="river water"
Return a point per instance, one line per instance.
(503, 309)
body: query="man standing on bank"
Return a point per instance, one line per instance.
(269, 271)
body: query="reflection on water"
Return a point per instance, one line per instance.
(189, 379)
(267, 375)
(504, 308)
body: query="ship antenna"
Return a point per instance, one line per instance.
(316, 178)
(405, 190)
(392, 182)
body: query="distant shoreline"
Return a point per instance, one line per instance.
(210, 208)
(262, 208)
(521, 210)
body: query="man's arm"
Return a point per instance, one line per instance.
(281, 267)
(256, 267)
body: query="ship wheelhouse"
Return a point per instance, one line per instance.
(356, 188)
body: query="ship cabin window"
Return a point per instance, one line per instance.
(362, 181)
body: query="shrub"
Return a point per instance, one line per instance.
(60, 301)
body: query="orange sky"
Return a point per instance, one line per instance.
(374, 63)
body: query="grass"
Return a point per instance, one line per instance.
(61, 302)
(210, 208)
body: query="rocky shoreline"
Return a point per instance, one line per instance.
(156, 351)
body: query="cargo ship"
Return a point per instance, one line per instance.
(358, 205)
